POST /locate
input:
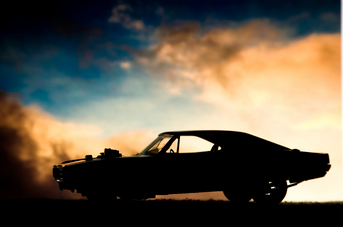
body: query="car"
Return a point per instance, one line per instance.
(241, 165)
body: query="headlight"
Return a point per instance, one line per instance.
(57, 172)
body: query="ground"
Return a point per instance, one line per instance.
(167, 212)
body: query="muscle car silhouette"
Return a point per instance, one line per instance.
(241, 165)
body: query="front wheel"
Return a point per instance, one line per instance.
(271, 192)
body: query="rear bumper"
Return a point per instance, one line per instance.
(309, 173)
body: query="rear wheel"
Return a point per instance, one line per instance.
(270, 192)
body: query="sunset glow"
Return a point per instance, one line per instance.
(119, 79)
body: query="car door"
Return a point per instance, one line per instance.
(188, 166)
(167, 164)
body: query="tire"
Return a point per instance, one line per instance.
(238, 197)
(270, 192)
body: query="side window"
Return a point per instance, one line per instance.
(173, 147)
(190, 144)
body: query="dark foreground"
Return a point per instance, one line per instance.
(167, 213)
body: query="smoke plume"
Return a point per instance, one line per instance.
(32, 142)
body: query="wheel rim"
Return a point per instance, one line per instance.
(272, 192)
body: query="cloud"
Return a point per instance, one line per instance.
(252, 67)
(121, 15)
(330, 17)
(259, 80)
(33, 141)
(330, 119)
(189, 57)
(125, 64)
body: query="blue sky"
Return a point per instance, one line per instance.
(59, 37)
(271, 68)
(66, 55)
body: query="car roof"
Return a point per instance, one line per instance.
(230, 139)
(200, 132)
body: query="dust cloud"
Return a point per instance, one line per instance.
(33, 141)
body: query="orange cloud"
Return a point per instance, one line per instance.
(260, 81)
(253, 67)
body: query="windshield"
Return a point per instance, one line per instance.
(156, 146)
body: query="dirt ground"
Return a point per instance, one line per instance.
(168, 213)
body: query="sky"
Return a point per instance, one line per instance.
(79, 76)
